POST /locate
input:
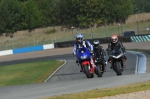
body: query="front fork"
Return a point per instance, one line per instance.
(92, 63)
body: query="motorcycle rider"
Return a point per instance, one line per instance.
(115, 43)
(99, 50)
(79, 43)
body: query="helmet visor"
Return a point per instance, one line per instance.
(79, 39)
(96, 45)
(114, 40)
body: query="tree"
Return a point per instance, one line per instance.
(31, 15)
(117, 10)
(10, 12)
(141, 6)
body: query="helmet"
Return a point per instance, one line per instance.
(79, 38)
(114, 38)
(96, 43)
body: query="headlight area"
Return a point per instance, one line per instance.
(83, 57)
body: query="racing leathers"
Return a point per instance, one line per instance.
(100, 53)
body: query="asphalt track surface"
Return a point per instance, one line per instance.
(68, 79)
(71, 71)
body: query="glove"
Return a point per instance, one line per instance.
(91, 53)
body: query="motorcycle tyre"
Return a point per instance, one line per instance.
(99, 73)
(86, 71)
(117, 66)
(92, 75)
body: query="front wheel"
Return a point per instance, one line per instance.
(98, 71)
(86, 71)
(117, 68)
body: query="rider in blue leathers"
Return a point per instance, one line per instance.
(80, 42)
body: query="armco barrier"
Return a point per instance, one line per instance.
(140, 38)
(6, 52)
(102, 41)
(132, 39)
(144, 38)
(147, 37)
(48, 46)
(26, 49)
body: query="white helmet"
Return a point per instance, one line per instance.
(79, 38)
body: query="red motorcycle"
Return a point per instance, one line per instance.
(84, 56)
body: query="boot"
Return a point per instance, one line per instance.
(110, 64)
(77, 62)
(124, 65)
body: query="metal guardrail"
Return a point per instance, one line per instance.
(140, 38)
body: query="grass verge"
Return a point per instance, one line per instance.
(27, 73)
(98, 93)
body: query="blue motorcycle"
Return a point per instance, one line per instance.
(84, 56)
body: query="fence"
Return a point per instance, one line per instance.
(43, 36)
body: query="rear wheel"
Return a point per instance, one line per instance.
(86, 71)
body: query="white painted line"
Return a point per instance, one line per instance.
(56, 70)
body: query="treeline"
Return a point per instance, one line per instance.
(30, 14)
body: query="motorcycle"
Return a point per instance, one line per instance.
(116, 59)
(99, 65)
(84, 56)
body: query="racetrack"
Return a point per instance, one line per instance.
(71, 71)
(68, 78)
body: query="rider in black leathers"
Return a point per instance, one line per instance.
(99, 52)
(115, 43)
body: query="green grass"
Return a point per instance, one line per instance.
(27, 73)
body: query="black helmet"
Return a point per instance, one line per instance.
(96, 43)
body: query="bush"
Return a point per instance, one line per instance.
(51, 31)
